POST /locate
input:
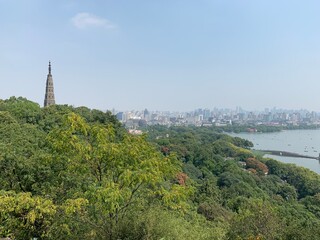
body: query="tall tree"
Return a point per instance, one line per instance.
(113, 175)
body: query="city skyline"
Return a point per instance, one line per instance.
(168, 56)
(217, 108)
(220, 118)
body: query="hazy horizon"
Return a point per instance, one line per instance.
(168, 56)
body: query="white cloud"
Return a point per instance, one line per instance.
(86, 20)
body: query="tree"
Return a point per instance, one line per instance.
(260, 167)
(23, 216)
(114, 175)
(20, 149)
(256, 219)
(24, 110)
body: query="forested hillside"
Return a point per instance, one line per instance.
(75, 173)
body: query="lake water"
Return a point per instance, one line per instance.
(306, 142)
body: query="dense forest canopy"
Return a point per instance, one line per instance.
(75, 173)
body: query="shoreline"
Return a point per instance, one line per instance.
(287, 154)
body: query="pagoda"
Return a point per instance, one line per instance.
(49, 97)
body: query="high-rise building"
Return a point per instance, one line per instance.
(146, 115)
(49, 97)
(120, 116)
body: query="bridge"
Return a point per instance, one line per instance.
(288, 154)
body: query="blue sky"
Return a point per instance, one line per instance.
(164, 54)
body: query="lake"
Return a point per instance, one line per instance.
(306, 142)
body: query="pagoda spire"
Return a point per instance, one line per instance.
(49, 67)
(49, 96)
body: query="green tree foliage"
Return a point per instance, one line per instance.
(157, 223)
(305, 181)
(23, 216)
(23, 109)
(263, 128)
(256, 220)
(226, 187)
(114, 174)
(312, 203)
(92, 173)
(75, 173)
(20, 149)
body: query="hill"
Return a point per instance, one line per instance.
(75, 173)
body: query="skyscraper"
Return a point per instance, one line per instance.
(49, 97)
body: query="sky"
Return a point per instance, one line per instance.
(174, 55)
